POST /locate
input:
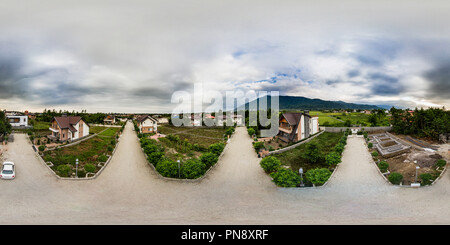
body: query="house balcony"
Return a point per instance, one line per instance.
(54, 130)
(287, 130)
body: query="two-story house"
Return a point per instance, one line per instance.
(295, 126)
(68, 128)
(147, 124)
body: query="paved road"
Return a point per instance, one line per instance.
(237, 191)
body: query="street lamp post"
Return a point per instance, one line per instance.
(301, 176)
(178, 168)
(76, 168)
(417, 169)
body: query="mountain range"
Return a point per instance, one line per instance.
(303, 103)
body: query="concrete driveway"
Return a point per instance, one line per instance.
(237, 191)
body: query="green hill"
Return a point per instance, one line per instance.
(303, 103)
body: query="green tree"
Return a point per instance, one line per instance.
(155, 157)
(383, 166)
(426, 178)
(395, 178)
(270, 164)
(312, 153)
(192, 169)
(90, 168)
(251, 131)
(5, 126)
(167, 168)
(333, 158)
(216, 148)
(318, 176)
(64, 170)
(284, 177)
(209, 159)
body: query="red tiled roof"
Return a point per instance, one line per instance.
(293, 118)
(67, 122)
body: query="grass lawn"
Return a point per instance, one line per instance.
(293, 158)
(201, 136)
(38, 125)
(109, 132)
(96, 129)
(338, 119)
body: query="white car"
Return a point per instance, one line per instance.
(8, 171)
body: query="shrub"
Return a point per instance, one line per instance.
(318, 176)
(110, 148)
(251, 131)
(102, 158)
(312, 153)
(229, 131)
(258, 146)
(284, 177)
(155, 157)
(41, 148)
(113, 142)
(441, 163)
(209, 159)
(374, 154)
(271, 148)
(149, 148)
(426, 178)
(81, 173)
(270, 164)
(395, 178)
(383, 166)
(64, 170)
(216, 148)
(339, 148)
(192, 169)
(90, 168)
(370, 145)
(167, 168)
(333, 158)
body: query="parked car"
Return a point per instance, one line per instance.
(8, 171)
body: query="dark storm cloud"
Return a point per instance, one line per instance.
(439, 79)
(382, 84)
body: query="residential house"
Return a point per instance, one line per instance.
(196, 120)
(147, 124)
(17, 120)
(68, 128)
(295, 126)
(109, 119)
(163, 120)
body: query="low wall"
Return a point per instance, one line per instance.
(342, 129)
(105, 125)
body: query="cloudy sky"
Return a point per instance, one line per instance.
(131, 56)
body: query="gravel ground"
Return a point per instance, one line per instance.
(237, 191)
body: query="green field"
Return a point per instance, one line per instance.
(338, 119)
(201, 136)
(109, 132)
